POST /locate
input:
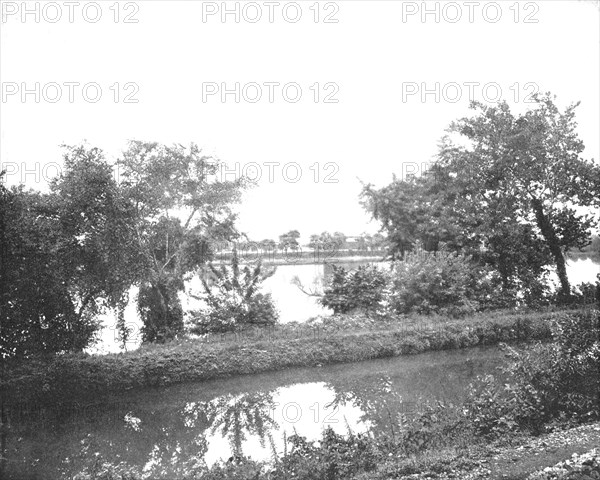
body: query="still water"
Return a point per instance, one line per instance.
(292, 303)
(167, 430)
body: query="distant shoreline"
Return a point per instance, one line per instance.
(308, 258)
(312, 258)
(583, 256)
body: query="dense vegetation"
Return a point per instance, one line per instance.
(233, 298)
(442, 282)
(471, 243)
(337, 339)
(510, 190)
(153, 217)
(363, 288)
(554, 382)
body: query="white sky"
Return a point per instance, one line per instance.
(369, 134)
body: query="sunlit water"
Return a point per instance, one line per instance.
(292, 303)
(168, 430)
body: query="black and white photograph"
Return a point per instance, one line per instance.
(299, 240)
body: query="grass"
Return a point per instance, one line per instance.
(71, 378)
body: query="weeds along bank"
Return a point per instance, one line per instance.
(69, 378)
(540, 421)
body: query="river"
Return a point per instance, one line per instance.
(167, 429)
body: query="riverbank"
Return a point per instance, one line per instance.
(73, 378)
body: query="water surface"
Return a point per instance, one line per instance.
(168, 429)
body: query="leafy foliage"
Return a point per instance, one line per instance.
(179, 211)
(233, 298)
(512, 191)
(557, 380)
(289, 240)
(40, 313)
(441, 282)
(363, 288)
(65, 255)
(532, 160)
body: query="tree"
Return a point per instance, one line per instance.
(67, 257)
(289, 240)
(514, 197)
(364, 242)
(315, 241)
(378, 241)
(180, 210)
(339, 240)
(268, 244)
(39, 313)
(533, 161)
(98, 229)
(436, 208)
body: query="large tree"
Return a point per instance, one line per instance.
(289, 240)
(180, 208)
(65, 257)
(435, 209)
(532, 161)
(40, 313)
(79, 248)
(511, 190)
(98, 227)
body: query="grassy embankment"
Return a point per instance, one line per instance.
(68, 378)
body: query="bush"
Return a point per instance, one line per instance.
(553, 381)
(233, 300)
(363, 288)
(336, 457)
(436, 426)
(441, 282)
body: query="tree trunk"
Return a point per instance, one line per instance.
(552, 240)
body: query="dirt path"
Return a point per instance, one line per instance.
(545, 451)
(529, 455)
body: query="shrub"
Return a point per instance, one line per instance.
(363, 288)
(436, 426)
(557, 380)
(336, 457)
(233, 300)
(441, 282)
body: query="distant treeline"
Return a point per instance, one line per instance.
(590, 251)
(252, 252)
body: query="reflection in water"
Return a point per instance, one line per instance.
(378, 401)
(235, 417)
(173, 430)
